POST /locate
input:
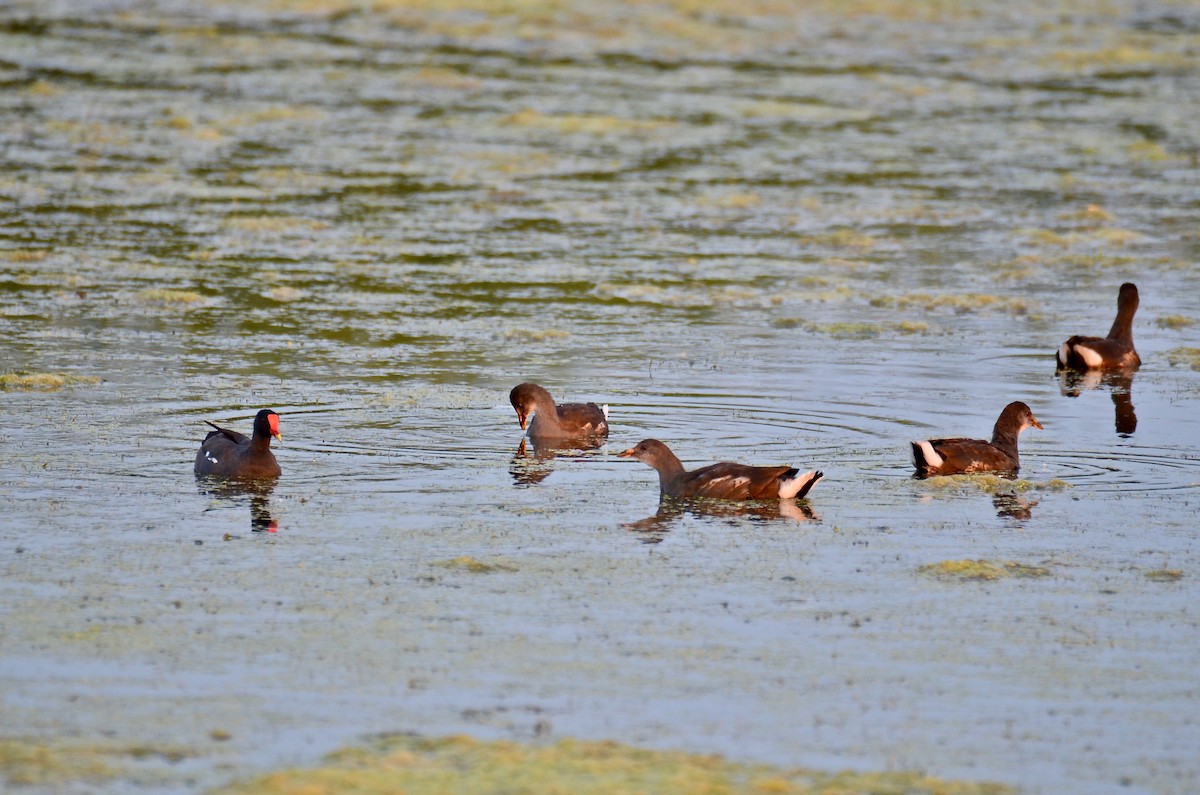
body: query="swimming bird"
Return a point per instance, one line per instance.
(1114, 352)
(230, 454)
(955, 456)
(725, 481)
(553, 421)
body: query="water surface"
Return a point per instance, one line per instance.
(758, 233)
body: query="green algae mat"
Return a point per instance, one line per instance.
(465, 766)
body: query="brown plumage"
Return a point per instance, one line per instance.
(554, 421)
(229, 454)
(725, 481)
(1114, 352)
(955, 456)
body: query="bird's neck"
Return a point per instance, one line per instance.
(260, 442)
(1122, 327)
(546, 412)
(669, 467)
(1004, 438)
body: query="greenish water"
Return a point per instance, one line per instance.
(757, 233)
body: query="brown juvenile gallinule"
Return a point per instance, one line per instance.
(553, 421)
(724, 481)
(229, 454)
(955, 456)
(1114, 352)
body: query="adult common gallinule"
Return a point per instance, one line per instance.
(725, 481)
(553, 421)
(955, 456)
(1114, 352)
(229, 454)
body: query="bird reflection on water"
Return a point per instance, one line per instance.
(671, 510)
(231, 490)
(531, 463)
(1119, 384)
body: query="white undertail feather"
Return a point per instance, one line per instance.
(1089, 356)
(793, 486)
(604, 408)
(932, 459)
(1063, 353)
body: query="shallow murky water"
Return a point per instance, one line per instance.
(757, 233)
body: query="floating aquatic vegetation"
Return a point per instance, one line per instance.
(1101, 236)
(732, 201)
(273, 224)
(966, 302)
(473, 565)
(1174, 321)
(981, 570)
(61, 765)
(1150, 152)
(415, 765)
(1091, 214)
(42, 88)
(275, 113)
(536, 335)
(803, 111)
(285, 294)
(26, 255)
(1120, 56)
(589, 125)
(33, 763)
(691, 296)
(1164, 575)
(161, 295)
(43, 382)
(1188, 356)
(442, 77)
(841, 238)
(856, 331)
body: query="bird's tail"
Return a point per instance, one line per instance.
(799, 485)
(924, 457)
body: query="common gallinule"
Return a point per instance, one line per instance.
(724, 481)
(552, 421)
(229, 454)
(1114, 352)
(955, 456)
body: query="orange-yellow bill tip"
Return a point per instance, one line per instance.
(626, 453)
(1037, 424)
(278, 436)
